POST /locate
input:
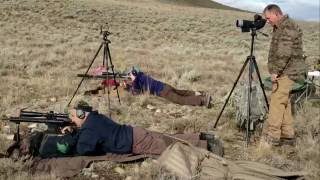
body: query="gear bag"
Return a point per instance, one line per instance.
(43, 145)
(57, 145)
(189, 162)
(258, 106)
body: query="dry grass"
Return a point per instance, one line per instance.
(14, 170)
(46, 43)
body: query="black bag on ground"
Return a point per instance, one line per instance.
(43, 145)
(57, 145)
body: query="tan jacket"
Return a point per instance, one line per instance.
(286, 53)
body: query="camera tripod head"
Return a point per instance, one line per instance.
(247, 25)
(104, 31)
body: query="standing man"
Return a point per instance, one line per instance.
(286, 65)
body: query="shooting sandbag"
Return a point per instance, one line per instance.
(189, 162)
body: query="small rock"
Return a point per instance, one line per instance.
(33, 125)
(119, 170)
(129, 178)
(6, 129)
(10, 137)
(149, 106)
(154, 161)
(165, 111)
(144, 165)
(236, 146)
(136, 169)
(186, 117)
(53, 99)
(197, 93)
(94, 175)
(219, 127)
(87, 171)
(158, 111)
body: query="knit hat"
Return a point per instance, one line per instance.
(134, 70)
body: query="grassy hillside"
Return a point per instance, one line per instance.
(44, 44)
(200, 3)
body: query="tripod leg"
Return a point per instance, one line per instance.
(114, 76)
(234, 85)
(105, 61)
(18, 133)
(95, 56)
(260, 81)
(300, 96)
(249, 100)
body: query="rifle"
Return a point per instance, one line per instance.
(104, 75)
(53, 120)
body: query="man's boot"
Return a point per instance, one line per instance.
(206, 101)
(288, 141)
(266, 142)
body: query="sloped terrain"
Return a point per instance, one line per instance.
(44, 44)
(200, 3)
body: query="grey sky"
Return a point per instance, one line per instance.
(298, 9)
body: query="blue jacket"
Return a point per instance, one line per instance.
(100, 135)
(144, 83)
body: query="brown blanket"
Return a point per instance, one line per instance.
(71, 166)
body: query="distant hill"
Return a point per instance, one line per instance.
(201, 3)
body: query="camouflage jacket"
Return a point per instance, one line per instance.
(286, 54)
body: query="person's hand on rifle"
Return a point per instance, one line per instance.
(67, 130)
(126, 85)
(132, 76)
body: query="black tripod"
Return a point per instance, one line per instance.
(251, 60)
(105, 62)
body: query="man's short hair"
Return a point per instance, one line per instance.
(272, 8)
(83, 105)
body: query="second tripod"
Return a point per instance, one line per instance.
(252, 67)
(106, 62)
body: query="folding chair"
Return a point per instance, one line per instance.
(301, 91)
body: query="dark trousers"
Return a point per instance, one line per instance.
(182, 97)
(154, 143)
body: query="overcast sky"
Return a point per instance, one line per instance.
(297, 9)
